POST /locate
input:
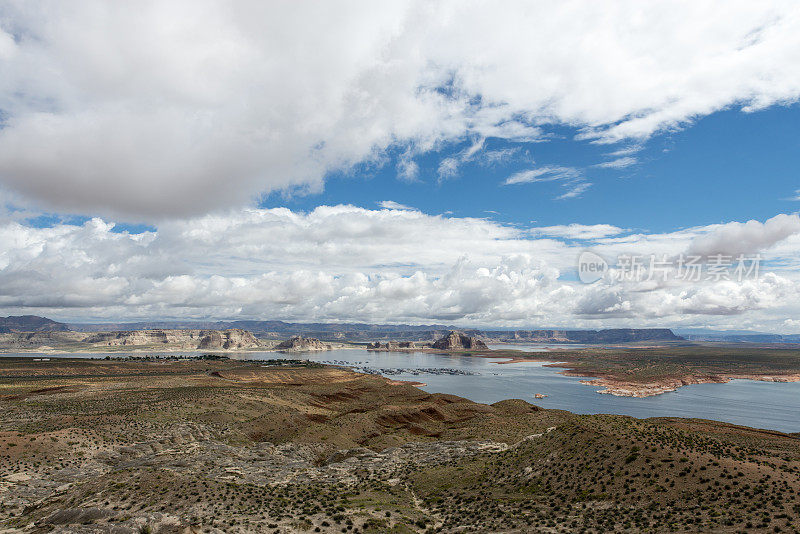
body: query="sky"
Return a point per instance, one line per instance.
(404, 162)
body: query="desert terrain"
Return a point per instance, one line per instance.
(216, 445)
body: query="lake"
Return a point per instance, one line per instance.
(770, 405)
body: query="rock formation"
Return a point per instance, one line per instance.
(302, 344)
(227, 339)
(231, 339)
(34, 340)
(454, 340)
(459, 341)
(185, 339)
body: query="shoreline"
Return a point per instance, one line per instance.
(619, 388)
(609, 384)
(622, 388)
(414, 383)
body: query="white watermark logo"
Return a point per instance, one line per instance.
(591, 267)
(686, 268)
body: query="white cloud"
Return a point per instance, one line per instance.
(497, 157)
(626, 151)
(745, 238)
(547, 173)
(7, 46)
(792, 325)
(571, 178)
(449, 167)
(722, 298)
(343, 263)
(575, 190)
(619, 163)
(407, 168)
(578, 231)
(169, 109)
(392, 205)
(733, 297)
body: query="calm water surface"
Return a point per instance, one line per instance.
(769, 405)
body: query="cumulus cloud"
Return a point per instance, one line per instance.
(793, 325)
(278, 263)
(722, 298)
(177, 109)
(344, 263)
(745, 238)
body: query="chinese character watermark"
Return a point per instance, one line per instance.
(685, 268)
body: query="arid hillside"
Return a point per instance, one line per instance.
(226, 446)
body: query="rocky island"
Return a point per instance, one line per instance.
(302, 344)
(452, 341)
(459, 341)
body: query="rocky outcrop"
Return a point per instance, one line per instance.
(357, 332)
(453, 340)
(459, 341)
(228, 339)
(126, 338)
(302, 344)
(36, 340)
(183, 339)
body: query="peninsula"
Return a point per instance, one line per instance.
(648, 371)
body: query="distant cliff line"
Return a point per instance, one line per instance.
(188, 339)
(612, 335)
(352, 332)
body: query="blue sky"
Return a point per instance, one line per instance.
(728, 166)
(724, 167)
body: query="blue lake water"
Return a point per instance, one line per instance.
(534, 347)
(770, 405)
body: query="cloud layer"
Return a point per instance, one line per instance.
(158, 109)
(342, 263)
